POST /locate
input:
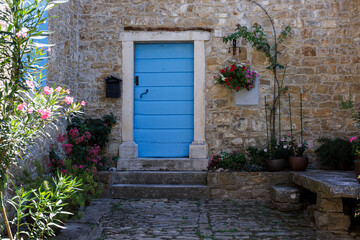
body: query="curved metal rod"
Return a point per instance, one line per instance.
(141, 95)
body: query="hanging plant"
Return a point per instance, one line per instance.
(237, 77)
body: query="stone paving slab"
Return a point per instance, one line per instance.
(186, 219)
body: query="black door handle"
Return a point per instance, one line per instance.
(136, 81)
(147, 90)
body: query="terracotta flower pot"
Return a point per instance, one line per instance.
(298, 163)
(275, 165)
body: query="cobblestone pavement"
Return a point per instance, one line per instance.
(184, 219)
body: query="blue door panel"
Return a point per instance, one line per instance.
(164, 121)
(164, 135)
(164, 65)
(161, 150)
(175, 107)
(164, 116)
(164, 50)
(165, 93)
(166, 79)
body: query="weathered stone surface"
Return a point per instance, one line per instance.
(245, 185)
(287, 207)
(329, 204)
(335, 185)
(283, 194)
(332, 221)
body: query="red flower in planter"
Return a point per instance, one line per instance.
(232, 68)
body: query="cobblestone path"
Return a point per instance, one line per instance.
(206, 219)
(212, 219)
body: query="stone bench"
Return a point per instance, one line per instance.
(331, 187)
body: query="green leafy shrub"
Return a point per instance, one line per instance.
(236, 161)
(334, 151)
(39, 211)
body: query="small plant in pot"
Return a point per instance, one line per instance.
(355, 144)
(297, 160)
(335, 153)
(278, 155)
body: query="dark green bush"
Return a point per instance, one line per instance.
(334, 151)
(237, 161)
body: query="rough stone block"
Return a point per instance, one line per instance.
(332, 221)
(198, 151)
(329, 204)
(282, 194)
(128, 150)
(227, 178)
(287, 207)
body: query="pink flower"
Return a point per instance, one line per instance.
(73, 133)
(81, 166)
(2, 23)
(68, 91)
(21, 33)
(88, 135)
(94, 169)
(300, 145)
(82, 103)
(45, 113)
(88, 170)
(67, 148)
(30, 84)
(352, 139)
(30, 110)
(61, 138)
(265, 150)
(283, 139)
(64, 171)
(285, 146)
(49, 49)
(21, 106)
(75, 166)
(68, 100)
(58, 89)
(48, 90)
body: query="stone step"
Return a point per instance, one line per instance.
(162, 164)
(155, 191)
(160, 177)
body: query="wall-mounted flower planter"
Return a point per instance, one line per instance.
(248, 98)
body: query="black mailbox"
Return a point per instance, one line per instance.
(113, 87)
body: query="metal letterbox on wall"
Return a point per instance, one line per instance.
(113, 87)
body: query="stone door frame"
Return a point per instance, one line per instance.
(198, 148)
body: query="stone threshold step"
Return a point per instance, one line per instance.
(162, 164)
(160, 191)
(160, 177)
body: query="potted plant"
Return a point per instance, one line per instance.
(297, 160)
(277, 157)
(335, 153)
(237, 77)
(355, 144)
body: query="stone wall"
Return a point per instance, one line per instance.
(322, 58)
(245, 185)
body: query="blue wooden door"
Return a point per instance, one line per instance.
(164, 99)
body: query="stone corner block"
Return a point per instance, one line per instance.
(334, 205)
(283, 194)
(198, 150)
(128, 150)
(332, 221)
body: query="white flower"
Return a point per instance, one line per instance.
(285, 146)
(300, 145)
(265, 150)
(283, 139)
